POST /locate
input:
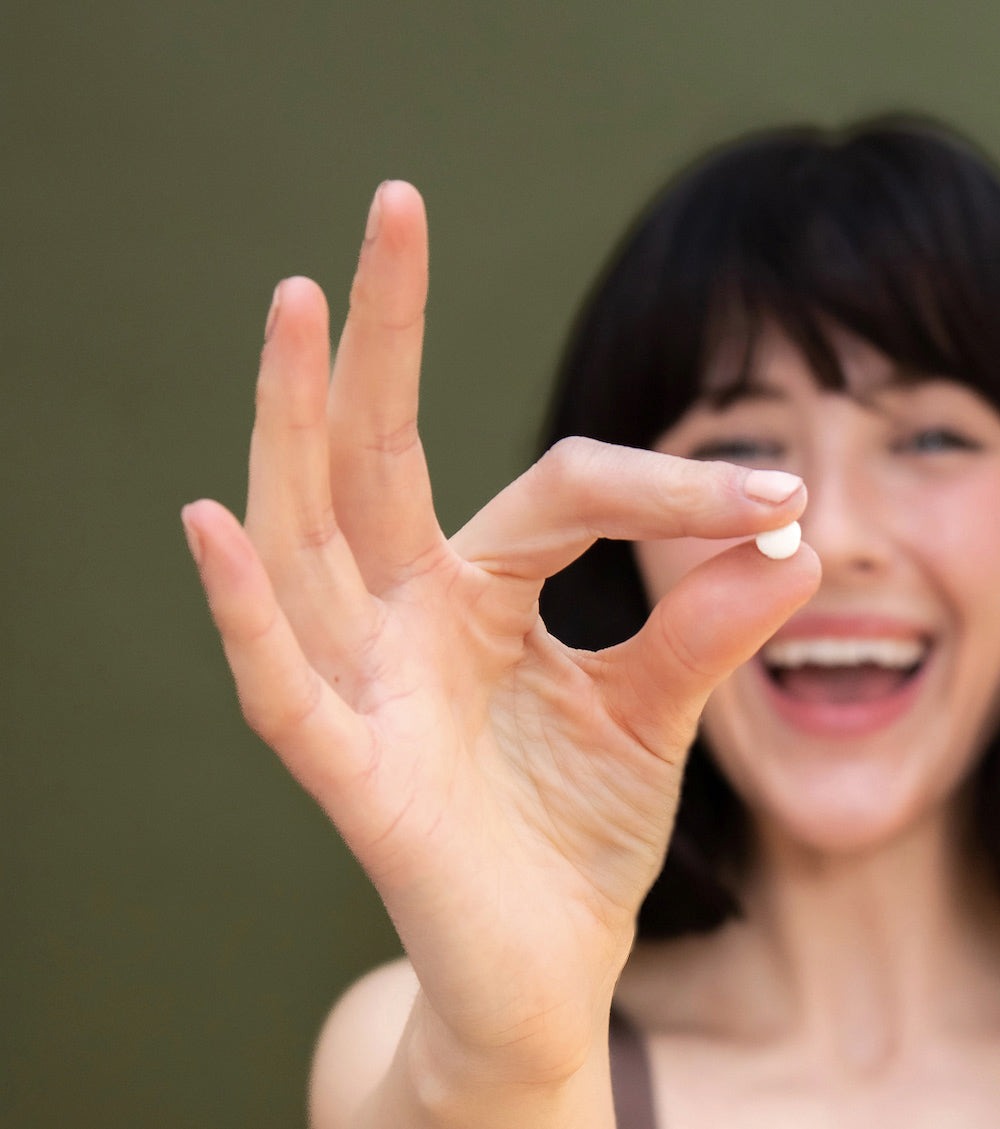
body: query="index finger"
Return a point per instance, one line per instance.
(582, 490)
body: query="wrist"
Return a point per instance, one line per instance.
(527, 1081)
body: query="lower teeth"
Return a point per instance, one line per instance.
(840, 684)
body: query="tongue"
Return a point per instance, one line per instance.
(841, 685)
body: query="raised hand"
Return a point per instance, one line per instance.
(510, 798)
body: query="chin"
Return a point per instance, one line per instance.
(836, 761)
(847, 810)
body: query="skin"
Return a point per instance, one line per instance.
(902, 485)
(510, 799)
(864, 982)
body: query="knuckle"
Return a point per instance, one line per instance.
(292, 404)
(680, 653)
(275, 718)
(568, 463)
(664, 724)
(396, 441)
(727, 479)
(317, 530)
(246, 628)
(685, 479)
(699, 493)
(369, 305)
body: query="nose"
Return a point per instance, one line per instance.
(844, 521)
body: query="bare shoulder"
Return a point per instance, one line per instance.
(357, 1043)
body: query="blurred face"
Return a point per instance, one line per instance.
(866, 711)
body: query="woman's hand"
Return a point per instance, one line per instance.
(510, 798)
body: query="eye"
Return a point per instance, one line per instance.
(738, 449)
(936, 440)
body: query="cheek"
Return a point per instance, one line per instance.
(961, 548)
(663, 563)
(955, 532)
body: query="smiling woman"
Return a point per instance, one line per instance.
(797, 300)
(599, 710)
(864, 712)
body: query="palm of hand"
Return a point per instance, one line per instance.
(511, 799)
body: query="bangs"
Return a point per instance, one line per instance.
(890, 231)
(822, 233)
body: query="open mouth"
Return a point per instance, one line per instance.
(843, 671)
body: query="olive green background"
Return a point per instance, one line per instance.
(177, 917)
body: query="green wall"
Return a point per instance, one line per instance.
(177, 916)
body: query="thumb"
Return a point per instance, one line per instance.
(714, 619)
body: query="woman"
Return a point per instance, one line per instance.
(823, 944)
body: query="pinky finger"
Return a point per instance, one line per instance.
(320, 739)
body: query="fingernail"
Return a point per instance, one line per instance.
(193, 537)
(272, 313)
(770, 485)
(374, 214)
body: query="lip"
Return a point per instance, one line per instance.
(862, 625)
(847, 719)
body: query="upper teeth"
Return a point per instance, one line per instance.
(895, 653)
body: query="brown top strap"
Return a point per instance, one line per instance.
(631, 1082)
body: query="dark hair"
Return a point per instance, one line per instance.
(889, 229)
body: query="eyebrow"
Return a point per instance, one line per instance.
(749, 389)
(740, 391)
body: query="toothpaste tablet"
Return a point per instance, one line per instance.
(780, 543)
